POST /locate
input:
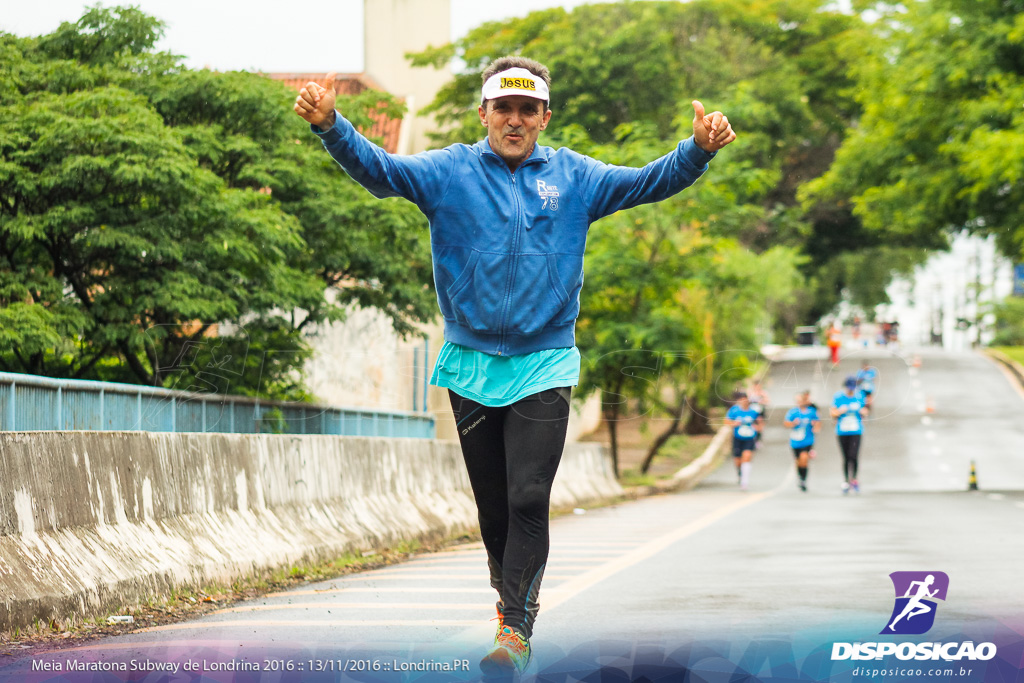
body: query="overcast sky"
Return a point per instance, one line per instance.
(258, 35)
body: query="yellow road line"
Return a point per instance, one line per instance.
(556, 595)
(577, 585)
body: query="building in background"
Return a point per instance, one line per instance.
(392, 29)
(386, 129)
(947, 301)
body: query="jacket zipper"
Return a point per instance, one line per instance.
(514, 260)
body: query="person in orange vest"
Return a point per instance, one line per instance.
(834, 342)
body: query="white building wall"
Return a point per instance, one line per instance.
(961, 284)
(393, 28)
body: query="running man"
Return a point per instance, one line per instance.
(849, 410)
(745, 422)
(866, 378)
(508, 226)
(915, 606)
(759, 401)
(804, 423)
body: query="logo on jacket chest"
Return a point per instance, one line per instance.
(549, 193)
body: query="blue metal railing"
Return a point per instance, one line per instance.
(29, 403)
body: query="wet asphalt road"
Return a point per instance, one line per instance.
(710, 565)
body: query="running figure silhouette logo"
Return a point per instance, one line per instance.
(916, 592)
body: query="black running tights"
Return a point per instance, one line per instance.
(511, 454)
(850, 445)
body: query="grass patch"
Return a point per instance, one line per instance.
(1014, 352)
(633, 477)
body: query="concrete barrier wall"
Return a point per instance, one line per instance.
(90, 520)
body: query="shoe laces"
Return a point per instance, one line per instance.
(510, 639)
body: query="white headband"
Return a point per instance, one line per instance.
(515, 81)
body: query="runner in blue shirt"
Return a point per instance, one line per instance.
(849, 410)
(758, 401)
(866, 378)
(746, 422)
(803, 422)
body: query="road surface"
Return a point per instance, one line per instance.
(714, 582)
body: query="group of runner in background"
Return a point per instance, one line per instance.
(849, 408)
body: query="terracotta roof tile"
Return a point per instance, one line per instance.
(383, 128)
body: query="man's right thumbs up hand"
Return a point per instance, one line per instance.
(315, 103)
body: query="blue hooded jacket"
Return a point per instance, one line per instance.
(508, 246)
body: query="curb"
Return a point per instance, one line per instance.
(1013, 366)
(691, 475)
(711, 458)
(706, 463)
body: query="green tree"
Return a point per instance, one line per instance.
(675, 293)
(635, 333)
(1009, 327)
(145, 207)
(940, 145)
(670, 311)
(781, 70)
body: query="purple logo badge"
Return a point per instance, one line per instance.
(916, 592)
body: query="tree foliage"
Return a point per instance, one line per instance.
(940, 145)
(1009, 323)
(782, 71)
(676, 293)
(145, 206)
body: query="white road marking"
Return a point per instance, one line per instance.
(479, 607)
(306, 623)
(381, 589)
(406, 575)
(599, 544)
